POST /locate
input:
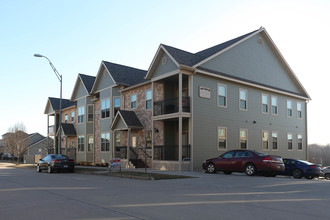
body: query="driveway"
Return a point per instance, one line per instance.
(26, 194)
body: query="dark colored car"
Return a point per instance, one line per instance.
(301, 168)
(326, 173)
(248, 161)
(55, 162)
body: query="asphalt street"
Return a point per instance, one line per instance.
(26, 194)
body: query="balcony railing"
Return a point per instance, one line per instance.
(171, 106)
(121, 152)
(171, 153)
(51, 130)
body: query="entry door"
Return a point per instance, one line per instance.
(185, 142)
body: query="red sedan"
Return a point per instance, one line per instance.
(248, 161)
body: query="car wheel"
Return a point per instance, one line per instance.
(296, 173)
(49, 170)
(38, 169)
(327, 176)
(250, 169)
(227, 172)
(210, 168)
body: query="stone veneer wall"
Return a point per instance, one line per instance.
(97, 134)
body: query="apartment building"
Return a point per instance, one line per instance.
(191, 106)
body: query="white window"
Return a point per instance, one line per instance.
(274, 105)
(222, 138)
(222, 95)
(81, 114)
(274, 140)
(290, 144)
(148, 99)
(243, 137)
(90, 143)
(66, 118)
(264, 100)
(289, 108)
(243, 99)
(300, 142)
(116, 104)
(105, 108)
(72, 116)
(105, 141)
(299, 110)
(81, 143)
(90, 113)
(133, 101)
(265, 140)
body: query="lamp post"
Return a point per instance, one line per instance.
(59, 77)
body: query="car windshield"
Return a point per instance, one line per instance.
(59, 156)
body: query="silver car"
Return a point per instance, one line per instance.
(326, 172)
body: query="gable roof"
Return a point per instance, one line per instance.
(183, 58)
(68, 129)
(55, 104)
(87, 82)
(129, 118)
(125, 75)
(190, 59)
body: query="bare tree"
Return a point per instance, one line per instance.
(16, 141)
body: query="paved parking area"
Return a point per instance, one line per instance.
(26, 194)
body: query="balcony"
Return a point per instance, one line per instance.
(171, 153)
(170, 106)
(51, 130)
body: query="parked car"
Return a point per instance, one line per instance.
(248, 161)
(55, 162)
(301, 168)
(326, 173)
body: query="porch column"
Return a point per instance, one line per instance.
(180, 143)
(128, 145)
(180, 92)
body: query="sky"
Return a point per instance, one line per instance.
(77, 35)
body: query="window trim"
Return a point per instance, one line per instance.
(83, 144)
(148, 90)
(247, 138)
(81, 116)
(105, 133)
(88, 136)
(271, 103)
(276, 141)
(262, 104)
(134, 94)
(299, 103)
(219, 127)
(302, 142)
(246, 99)
(88, 121)
(287, 109)
(105, 109)
(73, 113)
(262, 140)
(226, 95)
(287, 141)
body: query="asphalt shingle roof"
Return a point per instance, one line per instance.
(190, 59)
(125, 75)
(130, 118)
(88, 81)
(66, 103)
(69, 129)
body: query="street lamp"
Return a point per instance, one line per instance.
(59, 77)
